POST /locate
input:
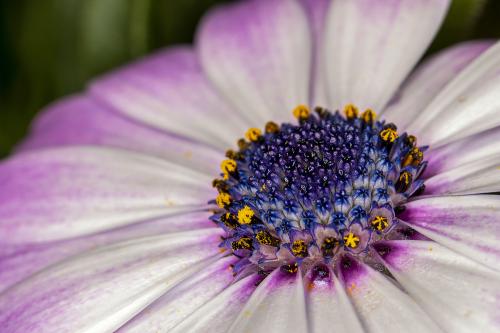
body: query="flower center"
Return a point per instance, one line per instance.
(304, 194)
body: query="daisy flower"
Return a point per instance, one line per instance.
(286, 174)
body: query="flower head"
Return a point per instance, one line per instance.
(352, 197)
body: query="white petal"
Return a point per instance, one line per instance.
(317, 11)
(277, 305)
(381, 305)
(476, 177)
(22, 260)
(459, 294)
(101, 290)
(469, 225)
(329, 308)
(81, 120)
(52, 194)
(182, 300)
(455, 93)
(482, 146)
(371, 46)
(258, 53)
(428, 80)
(217, 315)
(169, 91)
(475, 111)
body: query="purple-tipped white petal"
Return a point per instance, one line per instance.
(22, 260)
(458, 293)
(81, 120)
(53, 194)
(372, 45)
(482, 146)
(182, 300)
(475, 177)
(329, 308)
(381, 305)
(317, 12)
(258, 53)
(467, 105)
(169, 91)
(101, 290)
(428, 80)
(218, 314)
(469, 225)
(277, 305)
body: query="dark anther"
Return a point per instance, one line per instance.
(404, 182)
(290, 268)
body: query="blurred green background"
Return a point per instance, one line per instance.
(50, 48)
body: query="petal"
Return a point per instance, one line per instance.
(258, 53)
(460, 93)
(182, 300)
(218, 314)
(482, 146)
(475, 111)
(381, 305)
(277, 305)
(59, 193)
(102, 289)
(365, 63)
(329, 308)
(459, 294)
(476, 177)
(469, 225)
(428, 80)
(316, 11)
(81, 120)
(20, 261)
(168, 91)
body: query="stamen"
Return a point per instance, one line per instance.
(299, 248)
(351, 240)
(228, 167)
(245, 215)
(389, 134)
(351, 111)
(368, 116)
(380, 222)
(223, 199)
(301, 112)
(253, 134)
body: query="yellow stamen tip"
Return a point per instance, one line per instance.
(253, 134)
(245, 215)
(301, 112)
(223, 199)
(272, 127)
(369, 116)
(299, 248)
(351, 240)
(389, 135)
(228, 166)
(380, 222)
(351, 111)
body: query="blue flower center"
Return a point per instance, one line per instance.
(303, 194)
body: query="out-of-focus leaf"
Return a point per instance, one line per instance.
(459, 23)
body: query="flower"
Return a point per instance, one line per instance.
(108, 220)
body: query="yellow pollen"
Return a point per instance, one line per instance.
(227, 167)
(412, 140)
(389, 134)
(415, 156)
(223, 199)
(264, 237)
(351, 111)
(245, 215)
(272, 127)
(244, 243)
(253, 134)
(299, 248)
(405, 177)
(351, 240)
(368, 116)
(380, 222)
(301, 112)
